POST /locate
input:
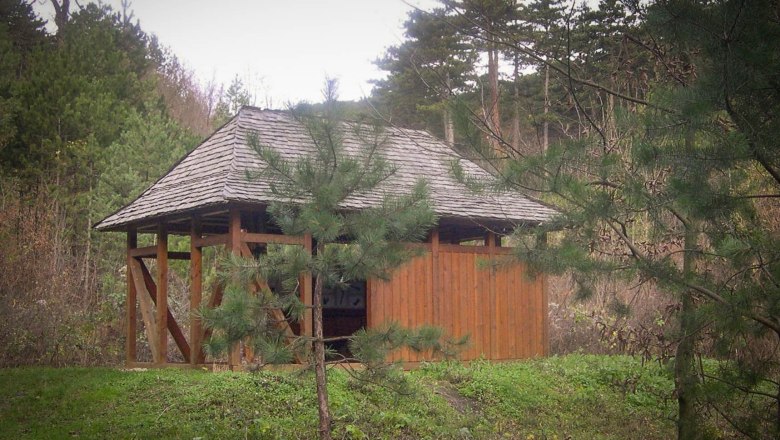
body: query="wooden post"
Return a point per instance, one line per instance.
(162, 292)
(545, 308)
(306, 292)
(130, 346)
(234, 243)
(437, 299)
(490, 242)
(196, 292)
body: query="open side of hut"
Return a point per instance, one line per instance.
(207, 196)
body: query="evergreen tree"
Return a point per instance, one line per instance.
(349, 245)
(231, 102)
(483, 23)
(425, 72)
(71, 107)
(678, 192)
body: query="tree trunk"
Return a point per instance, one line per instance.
(684, 369)
(777, 406)
(61, 14)
(449, 128)
(515, 135)
(492, 113)
(88, 251)
(546, 123)
(319, 359)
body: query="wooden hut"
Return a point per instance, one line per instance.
(207, 196)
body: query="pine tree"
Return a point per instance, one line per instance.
(349, 245)
(673, 182)
(424, 72)
(233, 99)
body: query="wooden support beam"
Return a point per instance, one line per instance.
(130, 313)
(151, 252)
(251, 237)
(146, 305)
(486, 250)
(196, 292)
(162, 292)
(306, 292)
(172, 325)
(212, 240)
(234, 243)
(144, 252)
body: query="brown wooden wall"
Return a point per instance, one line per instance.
(502, 310)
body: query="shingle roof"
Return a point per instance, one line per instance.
(214, 173)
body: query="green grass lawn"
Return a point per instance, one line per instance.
(579, 397)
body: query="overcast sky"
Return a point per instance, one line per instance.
(284, 48)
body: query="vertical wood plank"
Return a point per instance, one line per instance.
(500, 296)
(196, 293)
(234, 243)
(483, 286)
(517, 317)
(370, 286)
(466, 305)
(380, 311)
(130, 306)
(445, 293)
(421, 265)
(306, 292)
(162, 293)
(456, 295)
(531, 301)
(395, 311)
(472, 308)
(411, 299)
(545, 314)
(545, 307)
(435, 271)
(505, 281)
(491, 243)
(428, 288)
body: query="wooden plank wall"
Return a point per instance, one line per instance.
(501, 309)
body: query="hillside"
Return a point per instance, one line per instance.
(588, 397)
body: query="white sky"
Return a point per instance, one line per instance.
(283, 49)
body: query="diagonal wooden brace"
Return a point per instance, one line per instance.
(276, 314)
(146, 306)
(173, 326)
(205, 333)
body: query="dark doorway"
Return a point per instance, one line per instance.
(344, 313)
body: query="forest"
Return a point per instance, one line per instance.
(651, 127)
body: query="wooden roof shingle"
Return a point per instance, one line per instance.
(214, 173)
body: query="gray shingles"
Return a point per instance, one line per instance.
(214, 173)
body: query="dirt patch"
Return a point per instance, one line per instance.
(456, 400)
